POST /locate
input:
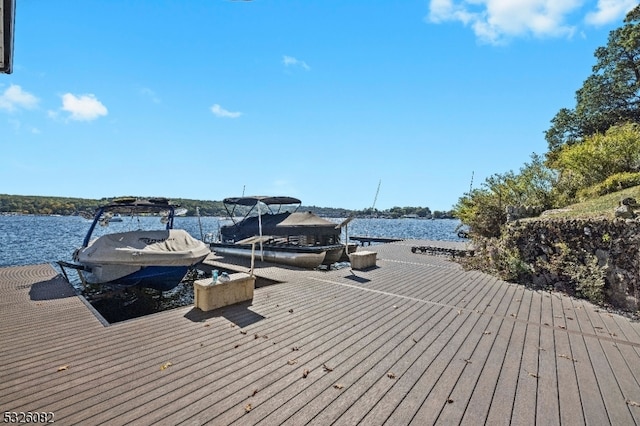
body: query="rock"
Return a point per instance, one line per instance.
(624, 212)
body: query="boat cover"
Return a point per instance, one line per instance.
(306, 219)
(144, 248)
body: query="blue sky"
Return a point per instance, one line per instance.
(318, 99)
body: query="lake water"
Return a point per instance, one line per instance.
(28, 240)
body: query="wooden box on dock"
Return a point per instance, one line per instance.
(363, 259)
(208, 296)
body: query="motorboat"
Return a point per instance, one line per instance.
(272, 229)
(142, 251)
(115, 218)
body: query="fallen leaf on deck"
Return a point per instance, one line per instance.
(247, 408)
(243, 332)
(255, 391)
(632, 403)
(391, 375)
(534, 375)
(165, 366)
(305, 373)
(292, 361)
(568, 357)
(290, 311)
(449, 401)
(63, 367)
(468, 361)
(338, 386)
(295, 348)
(487, 332)
(327, 369)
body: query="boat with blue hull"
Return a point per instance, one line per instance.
(152, 258)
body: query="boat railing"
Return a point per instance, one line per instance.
(75, 266)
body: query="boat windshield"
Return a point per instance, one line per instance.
(134, 216)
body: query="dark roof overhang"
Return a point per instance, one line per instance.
(7, 24)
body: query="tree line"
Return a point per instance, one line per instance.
(45, 205)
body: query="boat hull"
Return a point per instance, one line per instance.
(300, 257)
(333, 255)
(161, 278)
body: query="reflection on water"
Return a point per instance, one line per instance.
(134, 302)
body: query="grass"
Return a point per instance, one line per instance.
(603, 206)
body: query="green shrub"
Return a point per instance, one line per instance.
(590, 163)
(613, 183)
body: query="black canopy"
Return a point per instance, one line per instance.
(253, 200)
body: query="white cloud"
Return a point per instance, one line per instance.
(290, 61)
(84, 107)
(150, 94)
(218, 111)
(14, 97)
(609, 11)
(497, 21)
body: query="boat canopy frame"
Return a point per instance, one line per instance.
(130, 206)
(254, 202)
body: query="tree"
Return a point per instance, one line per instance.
(483, 209)
(609, 96)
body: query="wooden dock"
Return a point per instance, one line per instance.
(365, 240)
(416, 340)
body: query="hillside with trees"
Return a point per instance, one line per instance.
(594, 148)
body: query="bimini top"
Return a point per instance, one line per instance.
(119, 205)
(255, 199)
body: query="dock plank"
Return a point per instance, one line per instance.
(416, 339)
